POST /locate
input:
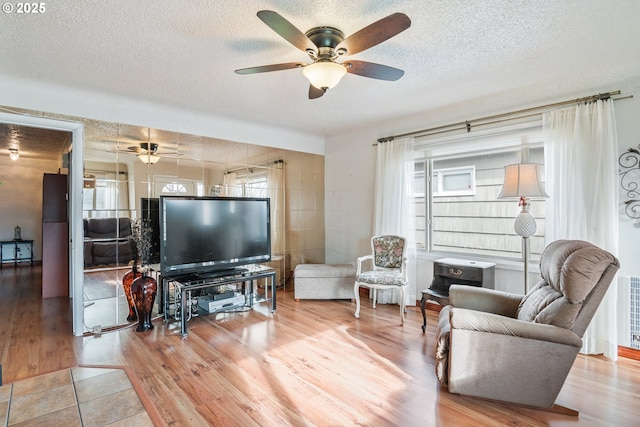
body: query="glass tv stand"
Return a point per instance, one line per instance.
(183, 286)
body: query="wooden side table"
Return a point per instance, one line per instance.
(452, 271)
(17, 251)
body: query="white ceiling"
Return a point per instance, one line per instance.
(184, 53)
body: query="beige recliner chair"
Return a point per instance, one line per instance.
(520, 349)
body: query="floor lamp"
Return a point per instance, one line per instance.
(521, 180)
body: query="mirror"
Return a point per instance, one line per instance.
(126, 170)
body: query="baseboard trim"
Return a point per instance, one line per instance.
(629, 353)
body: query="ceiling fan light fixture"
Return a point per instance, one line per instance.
(149, 158)
(324, 74)
(14, 154)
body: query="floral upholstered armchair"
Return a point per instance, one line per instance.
(389, 270)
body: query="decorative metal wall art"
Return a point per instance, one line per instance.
(630, 180)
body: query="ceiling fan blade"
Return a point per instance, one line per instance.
(273, 67)
(286, 30)
(314, 92)
(375, 33)
(373, 70)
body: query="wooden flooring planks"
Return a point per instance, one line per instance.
(311, 363)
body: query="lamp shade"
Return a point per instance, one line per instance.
(148, 158)
(521, 180)
(324, 74)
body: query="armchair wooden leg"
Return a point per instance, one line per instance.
(401, 305)
(356, 291)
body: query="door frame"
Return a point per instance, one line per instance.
(76, 151)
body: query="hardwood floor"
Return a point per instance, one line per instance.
(311, 363)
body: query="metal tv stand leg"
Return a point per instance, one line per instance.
(183, 311)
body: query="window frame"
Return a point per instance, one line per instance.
(442, 173)
(520, 137)
(101, 191)
(192, 187)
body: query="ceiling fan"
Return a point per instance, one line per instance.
(146, 151)
(150, 152)
(326, 44)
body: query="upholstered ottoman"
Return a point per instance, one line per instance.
(324, 281)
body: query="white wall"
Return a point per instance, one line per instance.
(350, 174)
(21, 193)
(628, 119)
(349, 192)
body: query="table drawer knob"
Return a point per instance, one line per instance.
(455, 272)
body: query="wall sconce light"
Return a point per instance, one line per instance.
(630, 180)
(14, 154)
(521, 180)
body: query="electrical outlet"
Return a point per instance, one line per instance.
(635, 337)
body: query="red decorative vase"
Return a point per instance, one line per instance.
(127, 280)
(143, 292)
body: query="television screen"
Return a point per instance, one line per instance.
(208, 234)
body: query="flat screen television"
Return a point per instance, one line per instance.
(209, 235)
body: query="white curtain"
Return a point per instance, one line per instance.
(394, 205)
(111, 194)
(233, 186)
(581, 152)
(275, 185)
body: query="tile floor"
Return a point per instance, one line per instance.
(73, 397)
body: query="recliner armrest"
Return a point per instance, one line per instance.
(471, 320)
(483, 299)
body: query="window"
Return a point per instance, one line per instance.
(459, 181)
(173, 187)
(247, 183)
(458, 212)
(165, 184)
(107, 196)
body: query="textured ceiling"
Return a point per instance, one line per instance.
(184, 53)
(33, 143)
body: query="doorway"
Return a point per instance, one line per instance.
(74, 202)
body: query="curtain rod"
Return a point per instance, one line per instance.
(466, 125)
(264, 165)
